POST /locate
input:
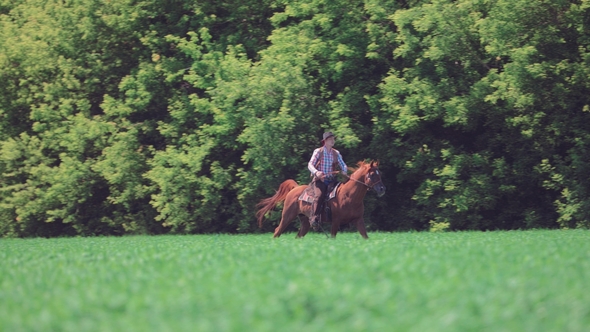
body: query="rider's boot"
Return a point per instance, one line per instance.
(314, 222)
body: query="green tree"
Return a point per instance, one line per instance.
(159, 116)
(484, 97)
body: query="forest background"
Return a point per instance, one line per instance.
(178, 116)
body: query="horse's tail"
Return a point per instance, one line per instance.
(268, 204)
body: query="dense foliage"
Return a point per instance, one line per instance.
(156, 116)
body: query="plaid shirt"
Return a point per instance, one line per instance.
(327, 162)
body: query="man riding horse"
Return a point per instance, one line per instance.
(323, 166)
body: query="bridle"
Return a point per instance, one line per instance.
(369, 187)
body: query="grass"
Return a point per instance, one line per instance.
(467, 281)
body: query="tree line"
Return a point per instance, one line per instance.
(175, 116)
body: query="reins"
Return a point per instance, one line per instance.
(366, 185)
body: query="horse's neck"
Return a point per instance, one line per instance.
(355, 188)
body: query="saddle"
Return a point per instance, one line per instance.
(311, 192)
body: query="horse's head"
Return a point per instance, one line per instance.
(371, 177)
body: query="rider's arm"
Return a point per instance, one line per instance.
(313, 161)
(343, 166)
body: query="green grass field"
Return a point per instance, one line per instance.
(467, 281)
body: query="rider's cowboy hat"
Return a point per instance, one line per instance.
(327, 135)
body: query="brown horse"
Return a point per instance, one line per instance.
(347, 206)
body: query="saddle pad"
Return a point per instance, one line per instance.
(309, 194)
(306, 197)
(332, 193)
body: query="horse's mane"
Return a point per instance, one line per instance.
(360, 165)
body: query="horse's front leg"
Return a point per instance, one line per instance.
(334, 228)
(360, 225)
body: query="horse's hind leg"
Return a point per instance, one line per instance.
(289, 213)
(304, 226)
(281, 227)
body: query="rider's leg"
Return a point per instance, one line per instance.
(318, 204)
